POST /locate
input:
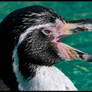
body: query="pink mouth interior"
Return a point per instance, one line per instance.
(62, 48)
(63, 51)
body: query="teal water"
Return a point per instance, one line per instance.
(79, 72)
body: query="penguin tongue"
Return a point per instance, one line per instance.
(69, 53)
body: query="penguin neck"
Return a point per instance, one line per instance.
(26, 71)
(44, 78)
(36, 75)
(27, 74)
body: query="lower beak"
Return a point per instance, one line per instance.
(69, 53)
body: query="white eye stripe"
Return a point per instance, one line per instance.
(29, 30)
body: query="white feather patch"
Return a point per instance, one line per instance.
(48, 79)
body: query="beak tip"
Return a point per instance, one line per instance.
(89, 58)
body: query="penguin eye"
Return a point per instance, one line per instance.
(46, 32)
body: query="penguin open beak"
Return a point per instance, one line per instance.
(67, 52)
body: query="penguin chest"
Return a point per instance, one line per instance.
(49, 78)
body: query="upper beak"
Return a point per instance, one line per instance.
(77, 26)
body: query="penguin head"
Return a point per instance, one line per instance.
(30, 32)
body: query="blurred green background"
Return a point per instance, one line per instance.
(79, 72)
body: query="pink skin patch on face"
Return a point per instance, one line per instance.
(57, 29)
(62, 50)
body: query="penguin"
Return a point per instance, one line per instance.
(30, 46)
